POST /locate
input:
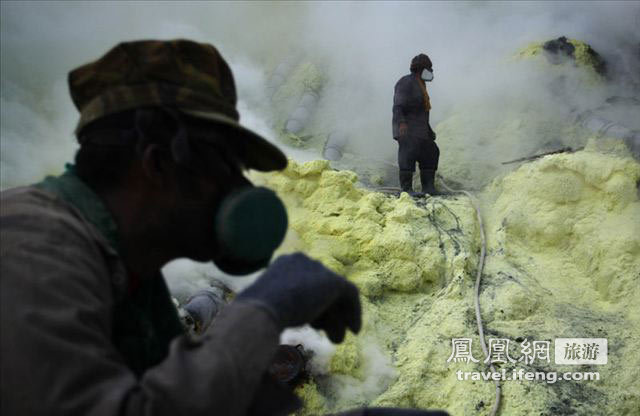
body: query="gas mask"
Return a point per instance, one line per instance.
(427, 75)
(249, 222)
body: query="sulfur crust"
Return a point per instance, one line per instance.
(563, 260)
(583, 58)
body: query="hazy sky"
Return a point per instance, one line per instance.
(364, 47)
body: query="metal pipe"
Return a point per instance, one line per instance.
(302, 114)
(334, 146)
(203, 306)
(279, 76)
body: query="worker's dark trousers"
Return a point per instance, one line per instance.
(417, 149)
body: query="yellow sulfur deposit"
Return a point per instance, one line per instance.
(563, 261)
(584, 57)
(583, 53)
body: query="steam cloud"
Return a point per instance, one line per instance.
(364, 48)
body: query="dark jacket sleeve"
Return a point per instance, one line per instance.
(57, 356)
(400, 101)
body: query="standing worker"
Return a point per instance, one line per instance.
(411, 128)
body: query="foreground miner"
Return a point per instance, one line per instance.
(411, 128)
(88, 326)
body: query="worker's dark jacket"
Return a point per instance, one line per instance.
(409, 108)
(75, 340)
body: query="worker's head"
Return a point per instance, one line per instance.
(420, 62)
(159, 129)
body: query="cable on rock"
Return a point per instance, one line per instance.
(483, 252)
(480, 268)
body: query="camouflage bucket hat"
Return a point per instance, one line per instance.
(192, 77)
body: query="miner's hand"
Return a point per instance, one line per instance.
(402, 129)
(297, 290)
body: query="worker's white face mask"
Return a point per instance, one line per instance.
(427, 75)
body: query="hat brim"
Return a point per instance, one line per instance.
(260, 154)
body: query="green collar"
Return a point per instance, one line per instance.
(71, 189)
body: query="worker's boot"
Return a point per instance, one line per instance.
(427, 177)
(406, 183)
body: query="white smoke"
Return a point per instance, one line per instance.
(377, 374)
(312, 341)
(364, 48)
